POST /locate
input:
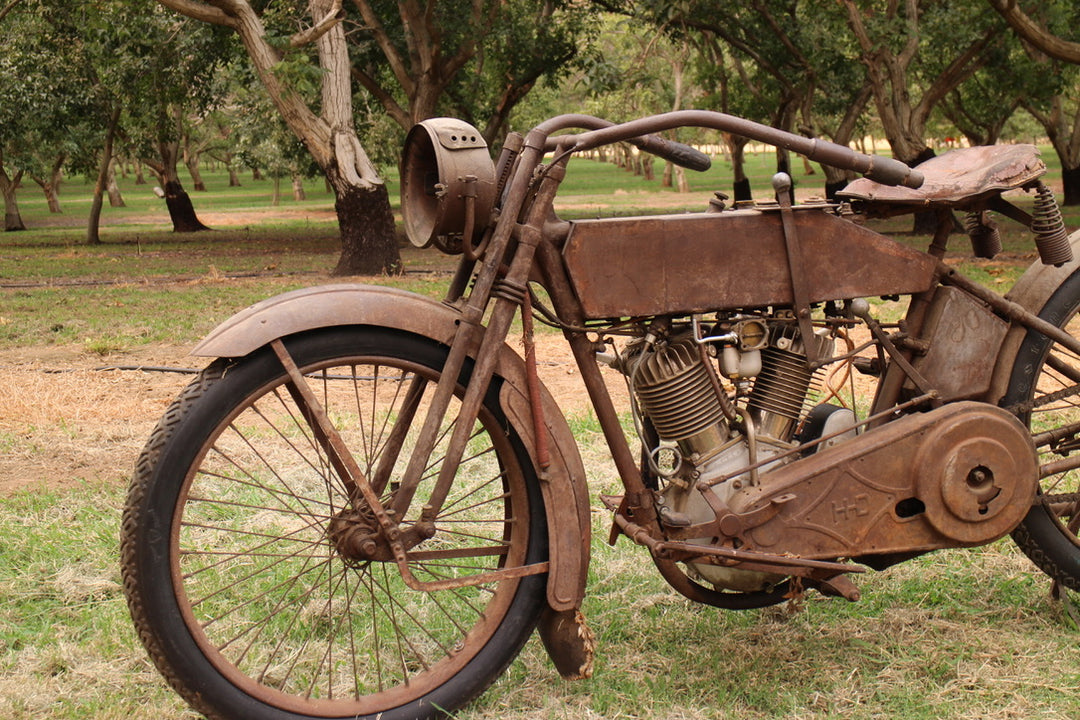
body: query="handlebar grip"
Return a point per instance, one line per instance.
(893, 172)
(886, 171)
(678, 153)
(689, 158)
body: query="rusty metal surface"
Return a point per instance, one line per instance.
(962, 333)
(736, 259)
(569, 642)
(566, 495)
(883, 169)
(964, 474)
(439, 157)
(958, 177)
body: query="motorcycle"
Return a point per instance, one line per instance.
(367, 501)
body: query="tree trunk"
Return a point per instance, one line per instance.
(51, 186)
(738, 159)
(682, 184)
(298, 193)
(93, 223)
(665, 179)
(12, 218)
(783, 165)
(191, 160)
(234, 177)
(366, 222)
(1071, 179)
(52, 198)
(115, 198)
(140, 179)
(275, 199)
(181, 211)
(831, 188)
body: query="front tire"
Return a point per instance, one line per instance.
(233, 562)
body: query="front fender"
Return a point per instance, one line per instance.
(328, 306)
(563, 484)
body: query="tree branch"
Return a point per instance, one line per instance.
(1035, 34)
(375, 27)
(316, 31)
(201, 11)
(958, 71)
(8, 8)
(392, 106)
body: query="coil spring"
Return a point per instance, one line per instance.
(1051, 239)
(985, 238)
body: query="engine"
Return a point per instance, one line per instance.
(693, 433)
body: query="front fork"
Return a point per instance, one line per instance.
(507, 285)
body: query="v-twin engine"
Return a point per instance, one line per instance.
(702, 436)
(753, 467)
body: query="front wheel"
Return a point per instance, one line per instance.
(1044, 392)
(240, 543)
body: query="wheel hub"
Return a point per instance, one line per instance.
(357, 537)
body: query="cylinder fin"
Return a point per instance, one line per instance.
(781, 390)
(674, 388)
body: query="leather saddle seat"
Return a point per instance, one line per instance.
(959, 178)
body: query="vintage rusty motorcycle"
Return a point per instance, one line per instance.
(368, 501)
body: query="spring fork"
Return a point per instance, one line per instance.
(529, 236)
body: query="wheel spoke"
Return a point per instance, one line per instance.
(269, 547)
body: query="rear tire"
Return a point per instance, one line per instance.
(232, 559)
(1044, 396)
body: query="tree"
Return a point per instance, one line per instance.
(414, 59)
(1054, 61)
(1060, 118)
(324, 123)
(173, 63)
(530, 41)
(916, 54)
(1036, 32)
(982, 106)
(44, 115)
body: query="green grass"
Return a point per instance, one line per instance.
(67, 648)
(955, 634)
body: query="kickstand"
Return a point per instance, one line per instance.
(1058, 592)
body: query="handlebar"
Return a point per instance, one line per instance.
(640, 132)
(677, 152)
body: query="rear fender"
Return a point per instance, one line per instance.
(562, 483)
(1032, 291)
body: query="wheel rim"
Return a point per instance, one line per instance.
(257, 561)
(1053, 414)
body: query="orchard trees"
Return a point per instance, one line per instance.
(415, 60)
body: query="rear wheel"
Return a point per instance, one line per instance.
(1044, 391)
(262, 591)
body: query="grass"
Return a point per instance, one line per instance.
(67, 650)
(964, 634)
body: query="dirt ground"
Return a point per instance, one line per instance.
(65, 419)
